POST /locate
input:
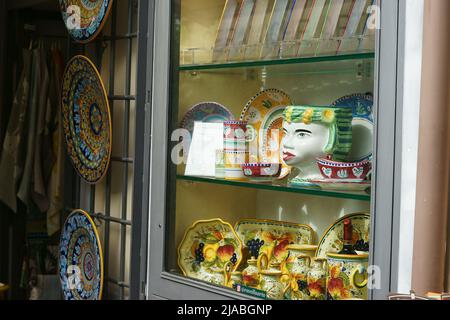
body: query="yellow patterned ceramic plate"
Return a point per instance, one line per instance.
(256, 110)
(86, 119)
(332, 239)
(277, 235)
(208, 244)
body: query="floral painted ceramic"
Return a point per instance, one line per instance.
(331, 241)
(317, 278)
(276, 235)
(86, 119)
(344, 171)
(208, 246)
(90, 14)
(347, 276)
(298, 289)
(234, 136)
(81, 259)
(270, 282)
(250, 275)
(296, 250)
(255, 113)
(216, 275)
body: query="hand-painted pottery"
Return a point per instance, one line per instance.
(255, 113)
(350, 171)
(312, 132)
(233, 164)
(296, 250)
(271, 283)
(208, 245)
(332, 240)
(362, 124)
(317, 279)
(235, 280)
(270, 139)
(347, 276)
(216, 275)
(209, 112)
(262, 171)
(234, 136)
(85, 19)
(341, 185)
(250, 275)
(299, 278)
(274, 236)
(86, 119)
(81, 260)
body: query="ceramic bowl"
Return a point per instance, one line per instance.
(348, 171)
(264, 171)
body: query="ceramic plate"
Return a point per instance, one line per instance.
(206, 112)
(332, 239)
(274, 233)
(255, 113)
(217, 242)
(362, 124)
(341, 185)
(81, 260)
(269, 145)
(85, 19)
(86, 119)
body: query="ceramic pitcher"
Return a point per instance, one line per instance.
(298, 289)
(250, 275)
(347, 276)
(271, 283)
(219, 276)
(299, 250)
(317, 279)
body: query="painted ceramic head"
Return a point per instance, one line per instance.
(314, 132)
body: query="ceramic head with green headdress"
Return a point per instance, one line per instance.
(311, 132)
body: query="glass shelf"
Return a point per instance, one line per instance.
(275, 62)
(360, 196)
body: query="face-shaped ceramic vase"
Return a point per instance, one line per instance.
(311, 132)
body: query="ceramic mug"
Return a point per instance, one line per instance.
(234, 136)
(347, 276)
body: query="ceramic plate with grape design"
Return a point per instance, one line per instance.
(85, 19)
(81, 260)
(272, 237)
(86, 119)
(208, 244)
(209, 112)
(259, 106)
(332, 239)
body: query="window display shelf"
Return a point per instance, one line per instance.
(360, 196)
(275, 62)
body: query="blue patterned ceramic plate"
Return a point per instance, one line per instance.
(362, 105)
(85, 19)
(210, 112)
(81, 260)
(86, 119)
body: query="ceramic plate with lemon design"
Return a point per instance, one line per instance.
(207, 245)
(274, 235)
(258, 108)
(331, 241)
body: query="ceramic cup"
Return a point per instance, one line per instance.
(234, 136)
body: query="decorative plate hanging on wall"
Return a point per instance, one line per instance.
(85, 19)
(86, 119)
(81, 259)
